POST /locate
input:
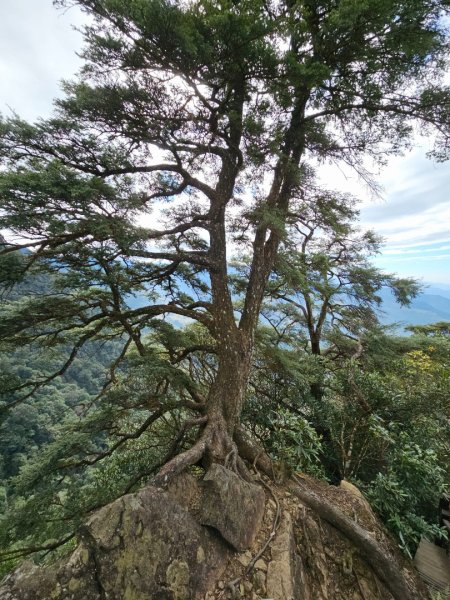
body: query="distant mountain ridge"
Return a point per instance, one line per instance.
(429, 307)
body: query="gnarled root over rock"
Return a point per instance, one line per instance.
(397, 574)
(215, 445)
(302, 541)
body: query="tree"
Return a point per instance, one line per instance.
(324, 287)
(441, 328)
(390, 430)
(205, 113)
(383, 420)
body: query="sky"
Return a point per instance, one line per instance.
(38, 48)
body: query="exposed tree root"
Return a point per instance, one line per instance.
(213, 445)
(252, 452)
(180, 463)
(243, 471)
(275, 525)
(384, 564)
(189, 424)
(231, 459)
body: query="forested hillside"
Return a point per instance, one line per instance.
(181, 296)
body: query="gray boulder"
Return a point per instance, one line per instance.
(232, 506)
(144, 545)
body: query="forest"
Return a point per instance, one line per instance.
(175, 281)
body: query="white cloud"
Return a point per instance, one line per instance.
(37, 50)
(417, 248)
(418, 257)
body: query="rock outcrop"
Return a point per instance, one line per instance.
(144, 545)
(232, 506)
(284, 569)
(180, 544)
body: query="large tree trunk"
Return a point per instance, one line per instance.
(235, 341)
(222, 411)
(226, 395)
